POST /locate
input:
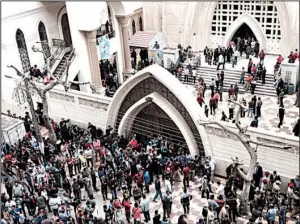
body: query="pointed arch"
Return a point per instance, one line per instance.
(128, 118)
(44, 39)
(152, 79)
(23, 52)
(133, 27)
(66, 30)
(141, 24)
(252, 23)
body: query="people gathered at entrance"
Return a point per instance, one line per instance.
(60, 184)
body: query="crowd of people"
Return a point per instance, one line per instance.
(58, 183)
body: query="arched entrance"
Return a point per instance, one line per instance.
(245, 23)
(155, 85)
(44, 39)
(271, 16)
(66, 30)
(243, 32)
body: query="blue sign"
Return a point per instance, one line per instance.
(104, 47)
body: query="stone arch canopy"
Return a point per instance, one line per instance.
(171, 88)
(252, 23)
(202, 28)
(164, 104)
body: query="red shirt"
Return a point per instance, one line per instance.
(186, 171)
(127, 206)
(200, 99)
(8, 158)
(139, 178)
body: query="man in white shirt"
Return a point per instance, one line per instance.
(55, 204)
(89, 156)
(145, 206)
(220, 190)
(212, 164)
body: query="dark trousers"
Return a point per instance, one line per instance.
(70, 170)
(232, 213)
(280, 121)
(147, 216)
(186, 208)
(90, 161)
(104, 193)
(258, 111)
(230, 113)
(221, 64)
(205, 192)
(186, 182)
(263, 77)
(212, 88)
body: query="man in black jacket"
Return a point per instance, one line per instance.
(185, 201)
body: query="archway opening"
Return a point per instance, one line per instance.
(66, 30)
(153, 122)
(244, 31)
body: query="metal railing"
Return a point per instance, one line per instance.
(62, 70)
(61, 45)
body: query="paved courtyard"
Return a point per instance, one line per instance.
(269, 110)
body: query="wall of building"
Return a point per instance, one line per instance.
(26, 18)
(195, 19)
(136, 18)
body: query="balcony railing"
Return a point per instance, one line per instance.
(60, 45)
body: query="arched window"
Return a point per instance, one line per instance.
(133, 27)
(21, 43)
(141, 24)
(44, 39)
(66, 30)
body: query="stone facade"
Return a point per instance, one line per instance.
(190, 23)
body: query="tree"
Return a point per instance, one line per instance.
(252, 150)
(24, 86)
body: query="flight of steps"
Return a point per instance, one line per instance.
(60, 68)
(233, 76)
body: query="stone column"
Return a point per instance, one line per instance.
(125, 29)
(93, 59)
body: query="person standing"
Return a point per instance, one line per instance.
(271, 214)
(157, 189)
(244, 102)
(262, 55)
(242, 79)
(167, 204)
(221, 61)
(281, 95)
(200, 100)
(185, 201)
(263, 75)
(231, 110)
(281, 113)
(186, 176)
(212, 87)
(258, 107)
(145, 205)
(249, 65)
(136, 213)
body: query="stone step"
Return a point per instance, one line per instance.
(235, 76)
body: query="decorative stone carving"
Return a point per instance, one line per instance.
(295, 148)
(61, 96)
(92, 103)
(221, 133)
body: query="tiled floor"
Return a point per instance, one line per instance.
(269, 120)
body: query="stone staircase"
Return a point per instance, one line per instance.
(61, 66)
(233, 76)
